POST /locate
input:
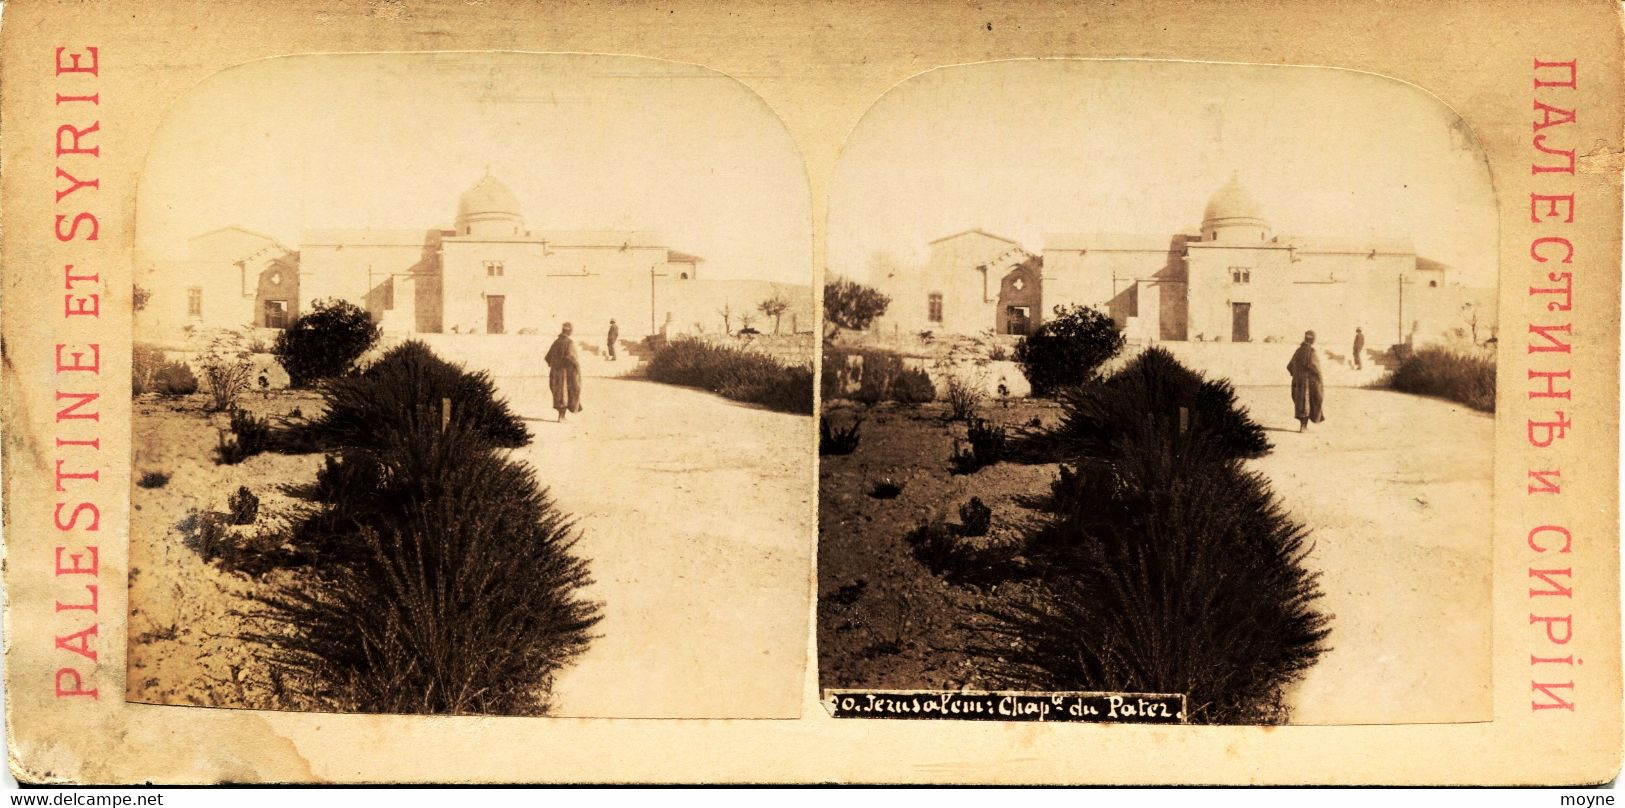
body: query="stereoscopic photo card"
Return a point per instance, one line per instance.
(759, 392)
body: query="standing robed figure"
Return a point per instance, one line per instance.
(1306, 384)
(564, 373)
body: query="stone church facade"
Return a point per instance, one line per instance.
(1233, 280)
(488, 274)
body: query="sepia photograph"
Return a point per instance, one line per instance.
(473, 383)
(1161, 378)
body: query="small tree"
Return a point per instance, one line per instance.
(227, 367)
(1068, 349)
(774, 307)
(746, 319)
(1469, 316)
(139, 298)
(727, 313)
(851, 305)
(326, 342)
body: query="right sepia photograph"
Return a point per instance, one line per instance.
(1158, 389)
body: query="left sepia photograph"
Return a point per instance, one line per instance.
(472, 383)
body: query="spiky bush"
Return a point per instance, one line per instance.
(325, 342)
(1068, 349)
(1152, 390)
(975, 517)
(942, 549)
(1171, 570)
(836, 440)
(399, 396)
(458, 590)
(1464, 378)
(227, 366)
(964, 397)
(243, 506)
(250, 435)
(735, 373)
(985, 443)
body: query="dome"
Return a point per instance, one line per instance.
(489, 209)
(1232, 202)
(1232, 215)
(488, 196)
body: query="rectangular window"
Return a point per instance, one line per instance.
(493, 269)
(194, 302)
(1241, 275)
(934, 307)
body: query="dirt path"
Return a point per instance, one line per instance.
(1397, 491)
(694, 514)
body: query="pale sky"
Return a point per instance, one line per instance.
(1032, 147)
(390, 141)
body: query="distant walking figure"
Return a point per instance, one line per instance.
(1359, 347)
(1306, 389)
(564, 373)
(614, 335)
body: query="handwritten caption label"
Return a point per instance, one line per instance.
(955, 705)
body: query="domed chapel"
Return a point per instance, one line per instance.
(489, 273)
(1232, 279)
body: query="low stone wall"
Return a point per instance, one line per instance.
(789, 349)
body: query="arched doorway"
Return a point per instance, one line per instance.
(276, 296)
(1020, 300)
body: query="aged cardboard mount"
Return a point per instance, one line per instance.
(535, 514)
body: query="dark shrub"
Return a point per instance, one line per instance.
(251, 435)
(174, 379)
(939, 548)
(398, 398)
(243, 506)
(1462, 378)
(153, 479)
(913, 386)
(459, 593)
(880, 376)
(831, 385)
(851, 305)
(986, 446)
(1068, 349)
(1172, 570)
(975, 517)
(325, 342)
(204, 533)
(735, 373)
(834, 440)
(1152, 389)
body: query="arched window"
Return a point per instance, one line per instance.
(934, 307)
